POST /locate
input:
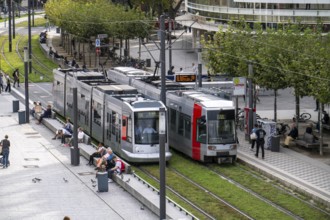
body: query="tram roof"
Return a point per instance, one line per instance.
(207, 100)
(139, 101)
(81, 75)
(130, 71)
(110, 89)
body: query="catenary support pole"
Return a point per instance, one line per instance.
(250, 124)
(26, 83)
(75, 154)
(169, 44)
(9, 26)
(162, 59)
(199, 63)
(29, 36)
(14, 9)
(162, 163)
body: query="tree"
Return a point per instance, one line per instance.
(281, 58)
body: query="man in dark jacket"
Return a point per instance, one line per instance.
(5, 143)
(261, 133)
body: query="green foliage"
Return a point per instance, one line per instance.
(89, 18)
(294, 56)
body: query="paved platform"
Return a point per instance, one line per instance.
(64, 189)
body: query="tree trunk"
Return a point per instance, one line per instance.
(275, 105)
(321, 109)
(297, 112)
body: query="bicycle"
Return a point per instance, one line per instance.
(304, 117)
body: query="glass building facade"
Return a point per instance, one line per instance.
(268, 12)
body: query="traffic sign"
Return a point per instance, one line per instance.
(97, 42)
(101, 36)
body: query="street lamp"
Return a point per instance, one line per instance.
(162, 163)
(75, 159)
(26, 79)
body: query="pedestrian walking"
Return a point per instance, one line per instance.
(8, 87)
(253, 136)
(261, 133)
(5, 143)
(1, 83)
(16, 77)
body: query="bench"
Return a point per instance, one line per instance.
(308, 142)
(87, 150)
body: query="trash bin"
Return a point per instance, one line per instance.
(58, 30)
(15, 105)
(102, 181)
(21, 117)
(75, 156)
(148, 62)
(275, 143)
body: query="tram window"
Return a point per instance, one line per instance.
(187, 128)
(172, 119)
(201, 130)
(184, 125)
(113, 123)
(129, 130)
(181, 125)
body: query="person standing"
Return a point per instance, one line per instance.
(5, 143)
(253, 136)
(170, 71)
(16, 77)
(8, 87)
(261, 133)
(1, 82)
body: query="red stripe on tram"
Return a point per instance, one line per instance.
(196, 146)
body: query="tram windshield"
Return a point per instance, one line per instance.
(221, 127)
(146, 127)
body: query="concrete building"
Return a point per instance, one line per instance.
(207, 15)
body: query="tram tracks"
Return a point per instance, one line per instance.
(249, 194)
(260, 197)
(275, 185)
(215, 198)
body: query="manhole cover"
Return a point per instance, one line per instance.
(31, 159)
(31, 166)
(34, 137)
(86, 173)
(31, 133)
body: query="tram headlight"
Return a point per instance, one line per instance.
(233, 147)
(211, 147)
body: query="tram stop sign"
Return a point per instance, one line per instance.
(97, 42)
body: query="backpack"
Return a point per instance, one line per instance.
(261, 134)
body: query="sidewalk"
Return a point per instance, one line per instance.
(63, 189)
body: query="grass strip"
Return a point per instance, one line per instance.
(271, 192)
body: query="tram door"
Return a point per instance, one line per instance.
(126, 132)
(115, 125)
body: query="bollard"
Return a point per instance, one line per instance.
(275, 143)
(102, 181)
(75, 156)
(15, 105)
(21, 117)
